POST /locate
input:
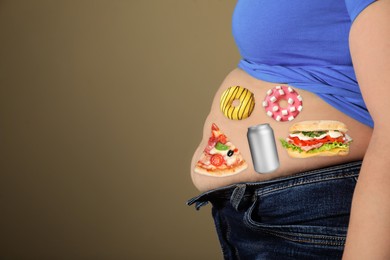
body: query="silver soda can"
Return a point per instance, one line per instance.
(263, 148)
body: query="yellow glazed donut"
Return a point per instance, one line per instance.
(243, 109)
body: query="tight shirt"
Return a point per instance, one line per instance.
(304, 44)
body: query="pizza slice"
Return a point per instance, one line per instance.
(220, 158)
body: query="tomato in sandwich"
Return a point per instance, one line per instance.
(326, 139)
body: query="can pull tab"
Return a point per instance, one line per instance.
(237, 195)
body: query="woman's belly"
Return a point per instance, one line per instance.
(314, 108)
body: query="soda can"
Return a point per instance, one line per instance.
(263, 148)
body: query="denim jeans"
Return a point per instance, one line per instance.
(303, 216)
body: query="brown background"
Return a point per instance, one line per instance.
(101, 106)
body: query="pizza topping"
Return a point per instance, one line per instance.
(222, 139)
(231, 161)
(217, 160)
(214, 127)
(230, 153)
(212, 142)
(204, 159)
(221, 147)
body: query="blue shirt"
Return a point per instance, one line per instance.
(304, 44)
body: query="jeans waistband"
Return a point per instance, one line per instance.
(236, 192)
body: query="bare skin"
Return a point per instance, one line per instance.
(314, 108)
(369, 230)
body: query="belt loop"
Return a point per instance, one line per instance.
(237, 195)
(200, 204)
(199, 201)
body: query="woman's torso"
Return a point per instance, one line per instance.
(314, 108)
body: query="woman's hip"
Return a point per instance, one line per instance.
(302, 216)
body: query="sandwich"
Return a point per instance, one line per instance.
(317, 138)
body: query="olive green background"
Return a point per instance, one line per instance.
(102, 104)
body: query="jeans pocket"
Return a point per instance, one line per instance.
(317, 235)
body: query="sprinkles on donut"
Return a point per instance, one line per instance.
(273, 108)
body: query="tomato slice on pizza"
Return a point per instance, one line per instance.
(220, 158)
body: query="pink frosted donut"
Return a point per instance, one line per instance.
(273, 108)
